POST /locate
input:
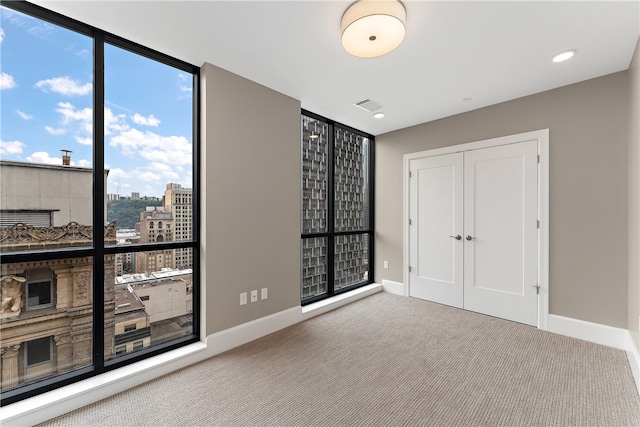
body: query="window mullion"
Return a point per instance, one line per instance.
(98, 201)
(330, 209)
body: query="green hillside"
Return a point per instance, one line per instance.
(127, 212)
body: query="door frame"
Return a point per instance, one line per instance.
(542, 138)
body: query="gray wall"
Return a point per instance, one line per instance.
(588, 188)
(251, 198)
(634, 196)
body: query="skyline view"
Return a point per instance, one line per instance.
(46, 103)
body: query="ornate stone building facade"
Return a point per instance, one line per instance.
(46, 318)
(156, 225)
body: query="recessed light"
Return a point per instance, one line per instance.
(564, 55)
(378, 115)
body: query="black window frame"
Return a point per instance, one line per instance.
(330, 234)
(99, 250)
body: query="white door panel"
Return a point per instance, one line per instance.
(489, 195)
(501, 216)
(436, 214)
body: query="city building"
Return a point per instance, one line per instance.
(156, 225)
(126, 262)
(165, 297)
(42, 195)
(179, 201)
(47, 313)
(132, 329)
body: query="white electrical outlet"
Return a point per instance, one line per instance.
(263, 293)
(243, 298)
(254, 295)
(386, 264)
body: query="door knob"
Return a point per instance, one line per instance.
(457, 237)
(471, 238)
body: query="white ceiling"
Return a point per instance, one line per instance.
(487, 51)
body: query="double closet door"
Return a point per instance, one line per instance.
(474, 230)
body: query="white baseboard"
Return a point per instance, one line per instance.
(65, 399)
(392, 287)
(588, 331)
(634, 359)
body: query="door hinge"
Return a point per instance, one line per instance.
(409, 174)
(409, 269)
(538, 158)
(409, 221)
(538, 223)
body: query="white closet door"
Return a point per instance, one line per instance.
(436, 197)
(500, 231)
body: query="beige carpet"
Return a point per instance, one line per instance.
(388, 361)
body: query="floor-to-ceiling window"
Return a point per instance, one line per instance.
(98, 205)
(337, 208)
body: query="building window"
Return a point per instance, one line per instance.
(38, 294)
(39, 288)
(118, 124)
(38, 351)
(337, 194)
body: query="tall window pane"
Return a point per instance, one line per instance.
(148, 153)
(46, 199)
(314, 175)
(351, 172)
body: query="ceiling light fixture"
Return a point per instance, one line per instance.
(564, 55)
(372, 28)
(378, 115)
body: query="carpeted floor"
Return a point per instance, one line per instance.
(388, 361)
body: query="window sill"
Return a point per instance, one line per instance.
(320, 307)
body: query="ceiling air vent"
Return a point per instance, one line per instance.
(368, 105)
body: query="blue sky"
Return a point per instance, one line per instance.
(46, 93)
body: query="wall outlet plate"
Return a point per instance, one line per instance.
(243, 298)
(254, 295)
(264, 293)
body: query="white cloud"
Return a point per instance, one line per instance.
(114, 123)
(43, 157)
(174, 150)
(24, 116)
(1, 35)
(83, 163)
(117, 173)
(65, 86)
(11, 147)
(184, 86)
(146, 121)
(54, 131)
(7, 81)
